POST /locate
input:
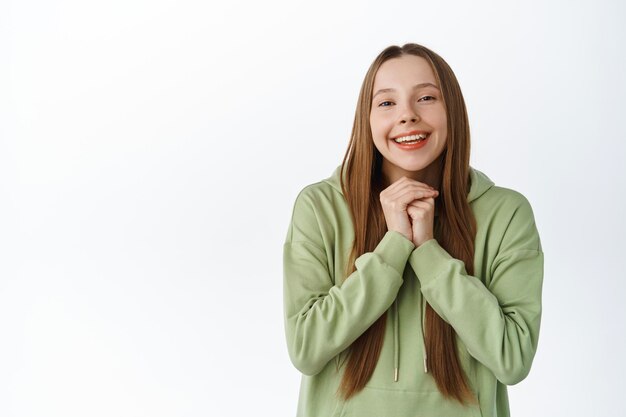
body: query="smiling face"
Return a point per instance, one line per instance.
(407, 105)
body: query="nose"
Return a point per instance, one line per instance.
(408, 114)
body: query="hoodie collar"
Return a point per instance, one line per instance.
(480, 183)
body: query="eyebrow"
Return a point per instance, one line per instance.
(415, 87)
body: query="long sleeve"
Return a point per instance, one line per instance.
(499, 323)
(322, 318)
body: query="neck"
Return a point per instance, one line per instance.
(431, 175)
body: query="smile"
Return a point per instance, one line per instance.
(412, 142)
(411, 139)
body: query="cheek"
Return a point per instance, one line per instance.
(378, 124)
(443, 122)
(444, 136)
(375, 126)
(444, 129)
(442, 119)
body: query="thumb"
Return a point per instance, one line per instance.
(412, 211)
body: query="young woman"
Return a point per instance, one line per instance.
(412, 283)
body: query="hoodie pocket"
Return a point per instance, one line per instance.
(375, 402)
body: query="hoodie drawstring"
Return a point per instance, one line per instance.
(396, 337)
(396, 342)
(422, 325)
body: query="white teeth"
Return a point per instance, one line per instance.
(421, 136)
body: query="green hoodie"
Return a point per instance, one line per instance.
(496, 313)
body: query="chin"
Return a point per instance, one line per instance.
(413, 167)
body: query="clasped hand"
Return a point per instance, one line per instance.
(409, 208)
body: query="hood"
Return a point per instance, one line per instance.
(479, 184)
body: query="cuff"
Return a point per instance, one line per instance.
(428, 260)
(395, 250)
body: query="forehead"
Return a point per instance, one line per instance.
(407, 70)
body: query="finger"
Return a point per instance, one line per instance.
(428, 202)
(399, 183)
(418, 192)
(430, 197)
(421, 205)
(402, 198)
(415, 195)
(417, 212)
(420, 208)
(416, 182)
(408, 189)
(400, 188)
(403, 182)
(423, 202)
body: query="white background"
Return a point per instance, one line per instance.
(151, 152)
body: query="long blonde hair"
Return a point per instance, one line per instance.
(455, 229)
